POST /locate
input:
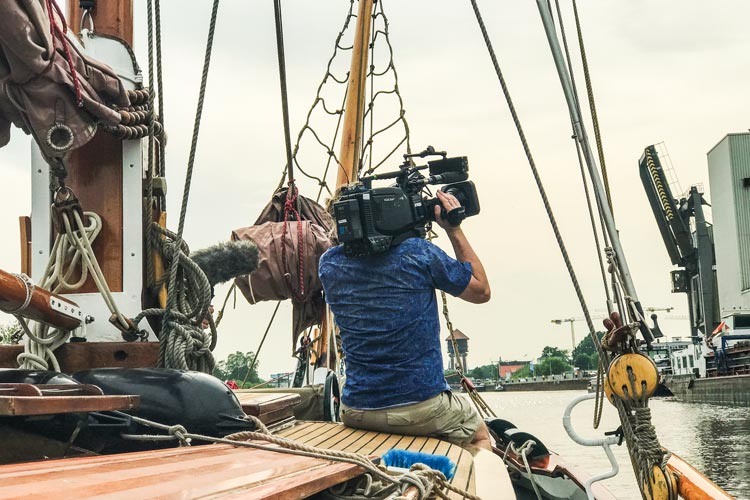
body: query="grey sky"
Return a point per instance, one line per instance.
(673, 71)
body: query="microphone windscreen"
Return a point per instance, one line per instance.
(227, 260)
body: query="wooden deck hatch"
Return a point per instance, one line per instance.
(270, 407)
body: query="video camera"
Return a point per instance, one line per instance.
(372, 220)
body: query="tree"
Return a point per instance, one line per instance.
(524, 372)
(237, 367)
(583, 361)
(554, 365)
(554, 352)
(483, 372)
(586, 346)
(594, 360)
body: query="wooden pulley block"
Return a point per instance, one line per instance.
(633, 377)
(661, 485)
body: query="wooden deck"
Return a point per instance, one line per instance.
(211, 471)
(337, 437)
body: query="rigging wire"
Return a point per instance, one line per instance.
(594, 228)
(534, 171)
(172, 296)
(284, 98)
(592, 106)
(599, 401)
(260, 346)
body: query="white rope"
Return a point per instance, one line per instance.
(71, 252)
(524, 450)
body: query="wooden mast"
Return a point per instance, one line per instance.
(351, 136)
(95, 170)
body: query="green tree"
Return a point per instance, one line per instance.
(594, 360)
(583, 361)
(554, 352)
(524, 372)
(483, 372)
(237, 367)
(586, 346)
(554, 365)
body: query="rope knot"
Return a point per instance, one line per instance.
(180, 433)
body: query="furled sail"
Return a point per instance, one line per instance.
(288, 264)
(48, 87)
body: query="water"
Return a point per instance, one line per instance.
(714, 439)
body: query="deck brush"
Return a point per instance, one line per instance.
(404, 459)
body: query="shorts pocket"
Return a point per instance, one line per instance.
(351, 416)
(415, 415)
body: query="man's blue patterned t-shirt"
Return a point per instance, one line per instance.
(386, 309)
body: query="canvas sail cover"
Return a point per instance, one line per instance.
(40, 92)
(280, 259)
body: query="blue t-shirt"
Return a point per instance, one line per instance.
(385, 306)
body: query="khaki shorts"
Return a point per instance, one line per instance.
(447, 416)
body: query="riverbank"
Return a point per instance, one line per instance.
(548, 385)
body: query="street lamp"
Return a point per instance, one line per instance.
(572, 322)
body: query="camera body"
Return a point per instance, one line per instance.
(372, 220)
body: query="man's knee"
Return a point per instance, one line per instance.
(482, 438)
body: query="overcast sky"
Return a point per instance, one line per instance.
(672, 71)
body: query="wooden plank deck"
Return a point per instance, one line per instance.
(211, 471)
(338, 437)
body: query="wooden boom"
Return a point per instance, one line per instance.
(43, 306)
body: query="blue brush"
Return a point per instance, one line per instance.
(404, 459)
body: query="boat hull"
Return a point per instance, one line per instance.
(728, 390)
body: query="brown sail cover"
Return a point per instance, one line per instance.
(269, 282)
(37, 89)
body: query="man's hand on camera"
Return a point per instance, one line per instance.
(448, 202)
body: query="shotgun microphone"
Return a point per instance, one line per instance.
(227, 260)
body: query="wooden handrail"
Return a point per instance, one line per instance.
(692, 484)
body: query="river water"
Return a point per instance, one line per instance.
(714, 439)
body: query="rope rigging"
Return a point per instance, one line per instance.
(179, 338)
(628, 371)
(427, 482)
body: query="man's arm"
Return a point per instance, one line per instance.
(478, 290)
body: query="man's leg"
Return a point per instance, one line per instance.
(482, 438)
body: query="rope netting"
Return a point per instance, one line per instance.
(321, 131)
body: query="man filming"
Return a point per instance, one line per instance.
(386, 309)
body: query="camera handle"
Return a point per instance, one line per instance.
(455, 217)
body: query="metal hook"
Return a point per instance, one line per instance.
(87, 14)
